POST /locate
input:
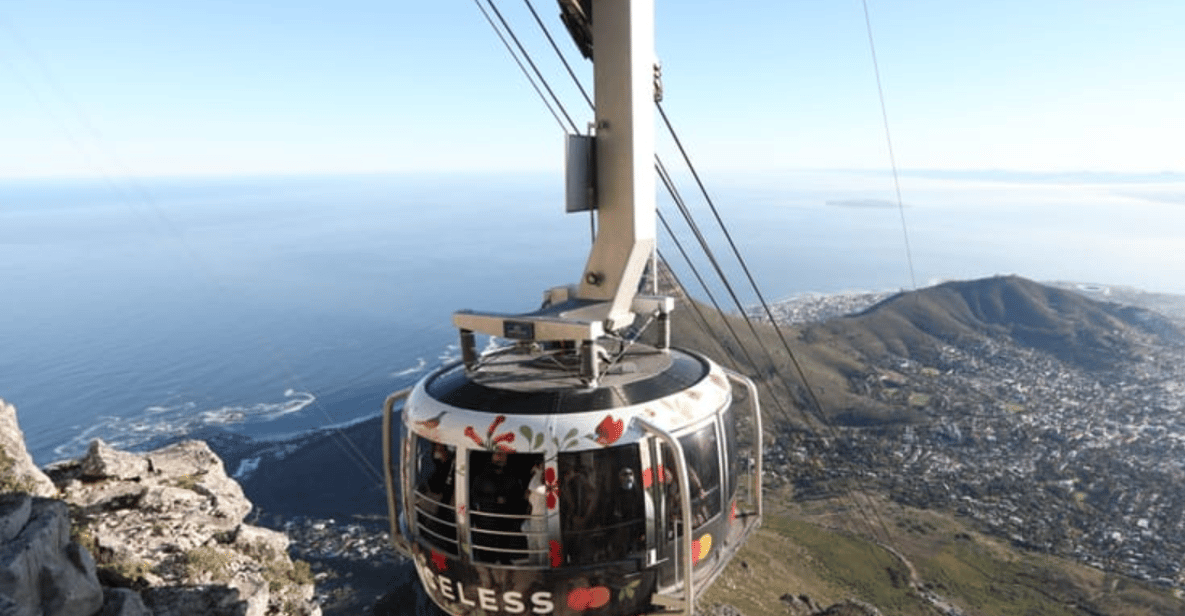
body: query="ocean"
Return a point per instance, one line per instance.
(139, 310)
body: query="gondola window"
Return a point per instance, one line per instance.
(435, 512)
(603, 506)
(501, 514)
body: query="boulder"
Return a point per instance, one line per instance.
(103, 462)
(15, 508)
(42, 572)
(17, 471)
(800, 605)
(123, 602)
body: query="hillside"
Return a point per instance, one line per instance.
(842, 356)
(828, 551)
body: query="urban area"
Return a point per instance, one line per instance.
(1085, 463)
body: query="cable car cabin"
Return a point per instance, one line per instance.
(525, 491)
(577, 471)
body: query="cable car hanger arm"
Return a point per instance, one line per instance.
(622, 187)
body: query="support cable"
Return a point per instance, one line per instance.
(736, 252)
(686, 213)
(695, 229)
(880, 92)
(526, 73)
(559, 54)
(810, 391)
(748, 321)
(527, 57)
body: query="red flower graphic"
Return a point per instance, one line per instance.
(491, 442)
(553, 487)
(439, 561)
(609, 430)
(556, 552)
(581, 599)
(494, 425)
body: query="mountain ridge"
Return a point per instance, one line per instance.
(841, 356)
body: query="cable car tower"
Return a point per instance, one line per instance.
(575, 470)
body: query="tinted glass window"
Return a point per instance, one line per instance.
(507, 526)
(602, 504)
(730, 450)
(703, 467)
(435, 474)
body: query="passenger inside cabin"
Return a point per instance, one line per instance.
(535, 527)
(435, 481)
(627, 515)
(602, 505)
(578, 507)
(498, 504)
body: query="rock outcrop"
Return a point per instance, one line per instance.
(17, 471)
(155, 534)
(43, 572)
(169, 524)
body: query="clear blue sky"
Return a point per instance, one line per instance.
(152, 87)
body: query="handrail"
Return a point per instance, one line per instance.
(685, 499)
(760, 433)
(397, 539)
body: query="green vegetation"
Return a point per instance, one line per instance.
(279, 574)
(206, 562)
(821, 550)
(80, 533)
(188, 482)
(132, 570)
(9, 482)
(870, 572)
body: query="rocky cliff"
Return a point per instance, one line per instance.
(124, 534)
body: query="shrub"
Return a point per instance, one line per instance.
(204, 561)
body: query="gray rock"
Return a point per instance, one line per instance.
(800, 605)
(172, 520)
(206, 600)
(16, 465)
(42, 573)
(123, 602)
(107, 496)
(103, 462)
(14, 514)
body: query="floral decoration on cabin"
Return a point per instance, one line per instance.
(534, 440)
(491, 442)
(629, 590)
(608, 431)
(555, 552)
(700, 548)
(440, 561)
(569, 440)
(581, 599)
(649, 474)
(553, 487)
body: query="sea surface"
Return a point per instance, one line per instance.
(136, 310)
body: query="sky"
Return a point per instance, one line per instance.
(147, 88)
